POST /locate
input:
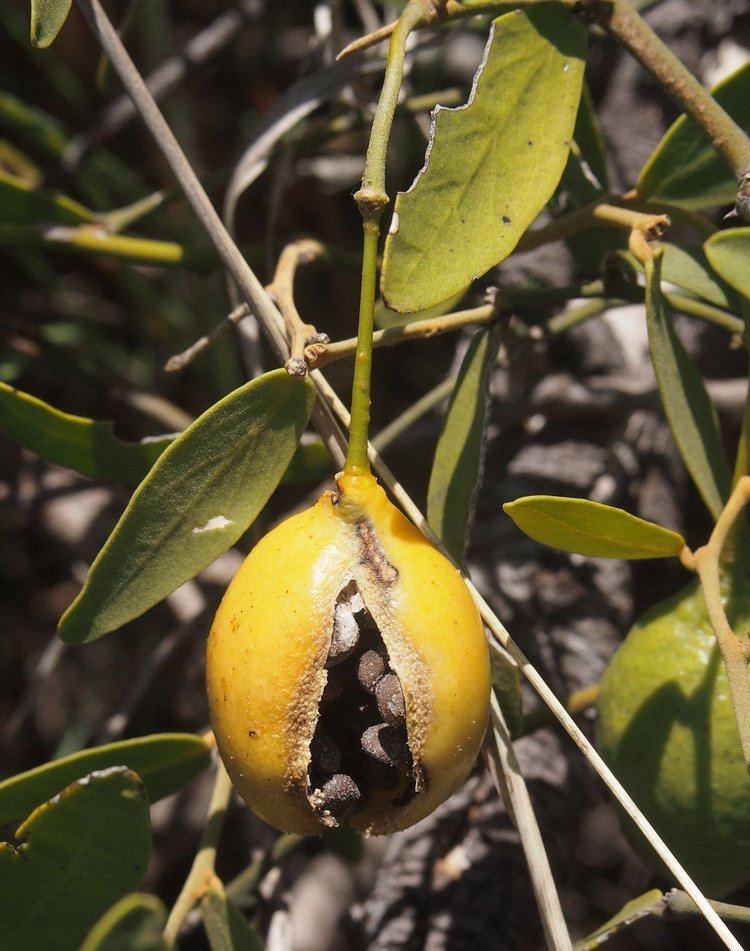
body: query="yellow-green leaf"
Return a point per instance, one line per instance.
(492, 164)
(633, 911)
(457, 466)
(85, 445)
(592, 529)
(47, 18)
(135, 923)
(198, 499)
(164, 762)
(75, 856)
(21, 203)
(688, 408)
(685, 169)
(729, 254)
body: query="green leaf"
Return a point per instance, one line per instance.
(591, 529)
(199, 498)
(47, 18)
(459, 455)
(688, 267)
(226, 926)
(684, 169)
(78, 443)
(729, 255)
(492, 164)
(689, 411)
(385, 317)
(311, 462)
(135, 923)
(633, 911)
(164, 762)
(507, 685)
(23, 204)
(77, 854)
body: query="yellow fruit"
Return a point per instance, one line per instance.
(348, 672)
(667, 730)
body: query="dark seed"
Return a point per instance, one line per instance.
(371, 668)
(386, 744)
(345, 635)
(390, 698)
(337, 799)
(379, 775)
(325, 755)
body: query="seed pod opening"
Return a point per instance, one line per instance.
(347, 670)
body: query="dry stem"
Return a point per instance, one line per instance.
(305, 343)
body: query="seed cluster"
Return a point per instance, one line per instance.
(360, 741)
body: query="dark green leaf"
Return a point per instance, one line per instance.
(22, 204)
(76, 855)
(346, 843)
(135, 923)
(226, 927)
(199, 498)
(690, 413)
(493, 164)
(78, 443)
(729, 254)
(633, 911)
(685, 169)
(47, 18)
(507, 686)
(311, 462)
(164, 762)
(592, 529)
(457, 467)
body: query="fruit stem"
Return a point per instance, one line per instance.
(372, 200)
(735, 650)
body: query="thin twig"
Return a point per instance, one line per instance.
(412, 414)
(202, 874)
(596, 213)
(179, 361)
(507, 777)
(305, 343)
(165, 79)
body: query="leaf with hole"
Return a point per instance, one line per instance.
(457, 466)
(164, 762)
(492, 165)
(74, 857)
(47, 18)
(685, 169)
(688, 408)
(198, 499)
(591, 528)
(226, 926)
(84, 445)
(135, 923)
(729, 254)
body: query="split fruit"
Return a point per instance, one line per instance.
(666, 728)
(347, 667)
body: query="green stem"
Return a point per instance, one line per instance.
(372, 200)
(202, 872)
(395, 429)
(629, 27)
(357, 460)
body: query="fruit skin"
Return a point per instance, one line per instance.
(667, 730)
(271, 636)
